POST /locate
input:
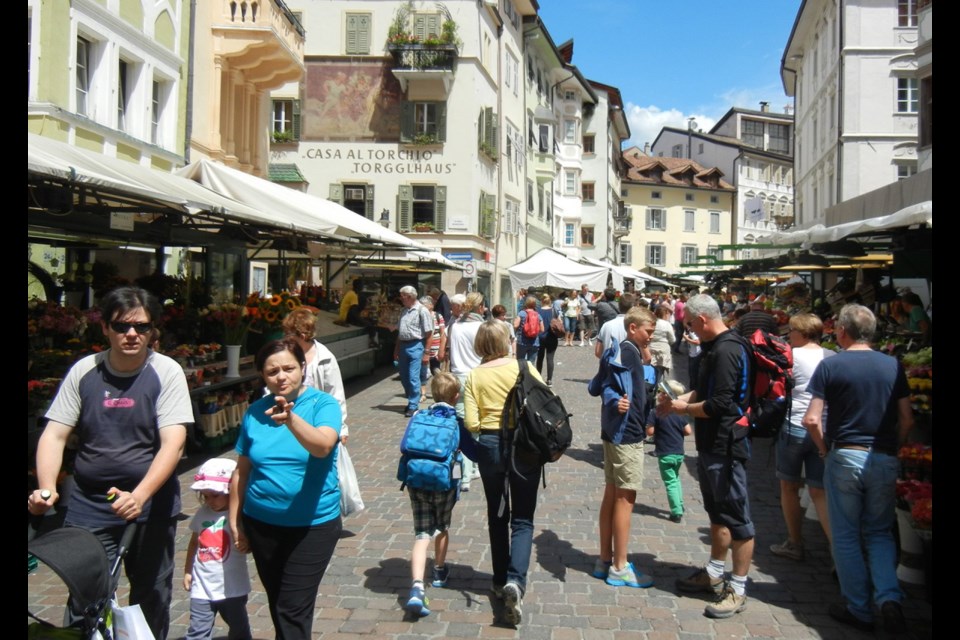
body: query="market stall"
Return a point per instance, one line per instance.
(550, 268)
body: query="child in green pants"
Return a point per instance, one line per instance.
(670, 430)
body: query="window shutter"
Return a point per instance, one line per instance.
(363, 35)
(489, 223)
(480, 123)
(440, 209)
(406, 121)
(441, 121)
(336, 193)
(433, 26)
(489, 129)
(405, 206)
(352, 34)
(420, 26)
(368, 205)
(296, 119)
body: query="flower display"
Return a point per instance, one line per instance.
(50, 319)
(916, 497)
(233, 318)
(267, 313)
(39, 394)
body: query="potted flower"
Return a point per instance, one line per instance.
(267, 313)
(232, 319)
(423, 227)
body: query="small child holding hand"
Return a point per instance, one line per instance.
(670, 430)
(215, 573)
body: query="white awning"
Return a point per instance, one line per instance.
(59, 160)
(920, 213)
(294, 207)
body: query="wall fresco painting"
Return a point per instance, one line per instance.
(350, 101)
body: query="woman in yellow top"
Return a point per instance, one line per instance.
(510, 530)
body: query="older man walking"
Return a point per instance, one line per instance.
(718, 402)
(869, 419)
(413, 336)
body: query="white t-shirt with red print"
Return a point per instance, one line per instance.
(219, 570)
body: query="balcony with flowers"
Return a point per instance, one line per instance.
(424, 47)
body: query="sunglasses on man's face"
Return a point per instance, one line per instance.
(139, 327)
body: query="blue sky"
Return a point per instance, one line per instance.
(679, 58)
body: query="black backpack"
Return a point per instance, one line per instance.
(542, 424)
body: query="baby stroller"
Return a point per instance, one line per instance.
(78, 558)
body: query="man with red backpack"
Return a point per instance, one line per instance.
(529, 326)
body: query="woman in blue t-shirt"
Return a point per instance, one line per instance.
(285, 493)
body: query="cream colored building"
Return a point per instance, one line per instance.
(851, 68)
(681, 211)
(426, 138)
(242, 50)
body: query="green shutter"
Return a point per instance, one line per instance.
(489, 227)
(480, 121)
(440, 209)
(336, 193)
(363, 35)
(433, 26)
(296, 119)
(420, 26)
(368, 205)
(406, 121)
(441, 121)
(405, 206)
(352, 34)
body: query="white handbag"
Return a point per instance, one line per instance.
(129, 622)
(350, 500)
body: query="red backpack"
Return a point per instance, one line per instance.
(531, 324)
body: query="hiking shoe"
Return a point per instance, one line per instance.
(892, 615)
(512, 599)
(628, 577)
(726, 604)
(676, 517)
(788, 550)
(417, 603)
(840, 613)
(700, 580)
(440, 575)
(601, 568)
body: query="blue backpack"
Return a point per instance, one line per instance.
(429, 449)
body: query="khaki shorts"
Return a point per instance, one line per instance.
(623, 465)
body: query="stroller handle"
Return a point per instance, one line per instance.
(124, 546)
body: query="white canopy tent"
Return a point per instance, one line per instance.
(550, 268)
(619, 272)
(298, 207)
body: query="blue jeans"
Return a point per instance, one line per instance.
(527, 352)
(861, 496)
(410, 357)
(511, 534)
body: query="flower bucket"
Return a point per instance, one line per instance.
(233, 361)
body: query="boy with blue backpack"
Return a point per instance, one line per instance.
(430, 470)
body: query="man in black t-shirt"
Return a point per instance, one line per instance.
(755, 319)
(718, 404)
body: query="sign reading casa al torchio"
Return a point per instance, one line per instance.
(380, 161)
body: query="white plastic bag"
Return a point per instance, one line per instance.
(350, 500)
(129, 622)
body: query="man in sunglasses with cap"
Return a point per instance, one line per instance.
(128, 408)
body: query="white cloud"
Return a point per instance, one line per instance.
(646, 122)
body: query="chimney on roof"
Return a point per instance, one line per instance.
(764, 106)
(646, 148)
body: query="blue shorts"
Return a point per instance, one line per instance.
(798, 459)
(723, 485)
(570, 323)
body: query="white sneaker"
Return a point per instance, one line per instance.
(512, 599)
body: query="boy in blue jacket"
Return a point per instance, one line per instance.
(620, 384)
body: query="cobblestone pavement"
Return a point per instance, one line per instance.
(363, 591)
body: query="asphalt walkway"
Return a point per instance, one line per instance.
(367, 582)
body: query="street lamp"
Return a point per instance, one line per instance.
(385, 218)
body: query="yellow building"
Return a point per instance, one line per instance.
(243, 50)
(680, 212)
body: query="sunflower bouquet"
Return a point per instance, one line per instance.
(267, 312)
